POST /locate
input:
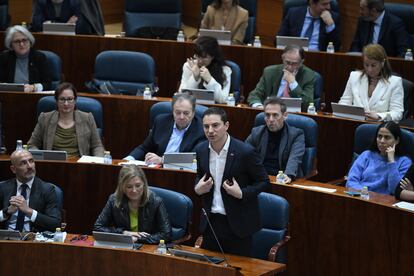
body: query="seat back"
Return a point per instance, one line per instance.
(151, 13)
(287, 4)
(405, 13)
(127, 71)
(274, 213)
(310, 129)
(54, 65)
(318, 89)
(84, 104)
(59, 196)
(165, 107)
(180, 211)
(4, 16)
(235, 79)
(408, 87)
(365, 135)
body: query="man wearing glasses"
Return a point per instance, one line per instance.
(290, 79)
(26, 202)
(180, 131)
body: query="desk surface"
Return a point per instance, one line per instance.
(68, 259)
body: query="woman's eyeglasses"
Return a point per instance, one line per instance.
(69, 100)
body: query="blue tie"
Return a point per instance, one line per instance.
(21, 215)
(309, 31)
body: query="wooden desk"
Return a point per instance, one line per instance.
(32, 258)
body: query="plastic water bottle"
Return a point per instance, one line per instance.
(330, 49)
(194, 165)
(365, 193)
(19, 145)
(311, 108)
(147, 93)
(408, 55)
(162, 248)
(257, 43)
(180, 36)
(24, 24)
(280, 178)
(107, 158)
(58, 236)
(231, 101)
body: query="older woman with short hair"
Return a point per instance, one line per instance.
(374, 88)
(23, 64)
(134, 210)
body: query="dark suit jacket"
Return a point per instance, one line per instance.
(45, 11)
(42, 199)
(291, 149)
(38, 70)
(393, 36)
(292, 25)
(243, 163)
(157, 140)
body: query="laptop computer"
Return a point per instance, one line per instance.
(196, 256)
(202, 96)
(58, 155)
(348, 111)
(179, 160)
(15, 87)
(113, 240)
(283, 41)
(223, 36)
(59, 28)
(293, 104)
(10, 235)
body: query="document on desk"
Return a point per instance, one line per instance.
(316, 188)
(404, 205)
(133, 162)
(91, 159)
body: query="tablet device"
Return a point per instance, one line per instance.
(283, 41)
(57, 155)
(113, 240)
(293, 104)
(59, 28)
(223, 36)
(10, 235)
(348, 111)
(13, 87)
(202, 96)
(179, 160)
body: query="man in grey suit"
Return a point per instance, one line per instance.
(26, 202)
(281, 146)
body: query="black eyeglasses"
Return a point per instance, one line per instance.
(19, 41)
(79, 238)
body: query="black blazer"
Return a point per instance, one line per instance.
(42, 199)
(152, 218)
(45, 11)
(393, 35)
(243, 163)
(38, 70)
(158, 138)
(293, 22)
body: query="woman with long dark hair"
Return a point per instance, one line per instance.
(207, 70)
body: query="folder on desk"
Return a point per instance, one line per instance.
(112, 240)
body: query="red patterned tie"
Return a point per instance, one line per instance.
(286, 91)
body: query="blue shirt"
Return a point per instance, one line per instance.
(377, 27)
(314, 40)
(374, 171)
(176, 138)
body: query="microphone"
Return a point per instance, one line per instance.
(215, 237)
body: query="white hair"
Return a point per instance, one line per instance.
(11, 31)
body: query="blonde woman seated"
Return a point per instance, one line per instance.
(227, 15)
(207, 70)
(66, 128)
(374, 88)
(134, 210)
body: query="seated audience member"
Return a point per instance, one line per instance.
(383, 166)
(290, 79)
(27, 203)
(281, 146)
(180, 131)
(316, 22)
(207, 70)
(227, 15)
(134, 210)
(374, 88)
(61, 11)
(405, 191)
(21, 63)
(377, 25)
(66, 128)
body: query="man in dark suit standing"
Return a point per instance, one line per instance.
(376, 25)
(180, 131)
(27, 202)
(229, 178)
(316, 21)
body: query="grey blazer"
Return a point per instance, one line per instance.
(291, 149)
(89, 142)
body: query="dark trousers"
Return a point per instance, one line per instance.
(231, 243)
